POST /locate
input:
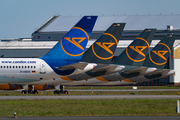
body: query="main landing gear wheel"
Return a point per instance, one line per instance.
(60, 92)
(65, 91)
(29, 92)
(34, 92)
(24, 91)
(56, 92)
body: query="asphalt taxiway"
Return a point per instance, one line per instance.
(130, 90)
(92, 97)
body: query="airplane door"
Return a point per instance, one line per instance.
(42, 68)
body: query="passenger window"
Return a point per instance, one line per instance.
(22, 66)
(19, 66)
(34, 66)
(4, 66)
(31, 66)
(28, 66)
(25, 66)
(13, 66)
(16, 66)
(9, 66)
(1, 66)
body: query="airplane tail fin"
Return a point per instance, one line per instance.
(158, 56)
(73, 44)
(102, 50)
(135, 53)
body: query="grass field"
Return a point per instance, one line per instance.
(105, 107)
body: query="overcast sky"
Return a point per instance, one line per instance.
(20, 18)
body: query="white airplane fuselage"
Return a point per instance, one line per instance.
(18, 70)
(37, 71)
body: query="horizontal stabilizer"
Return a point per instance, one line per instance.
(161, 71)
(108, 68)
(80, 66)
(160, 74)
(139, 69)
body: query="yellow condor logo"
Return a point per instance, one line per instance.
(106, 46)
(139, 50)
(161, 54)
(76, 41)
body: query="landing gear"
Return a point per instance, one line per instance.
(56, 92)
(29, 92)
(61, 91)
(65, 91)
(26, 91)
(32, 92)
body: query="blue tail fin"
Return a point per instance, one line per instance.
(158, 56)
(73, 44)
(135, 53)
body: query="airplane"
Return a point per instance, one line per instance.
(108, 41)
(163, 44)
(144, 39)
(132, 58)
(157, 58)
(67, 51)
(100, 53)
